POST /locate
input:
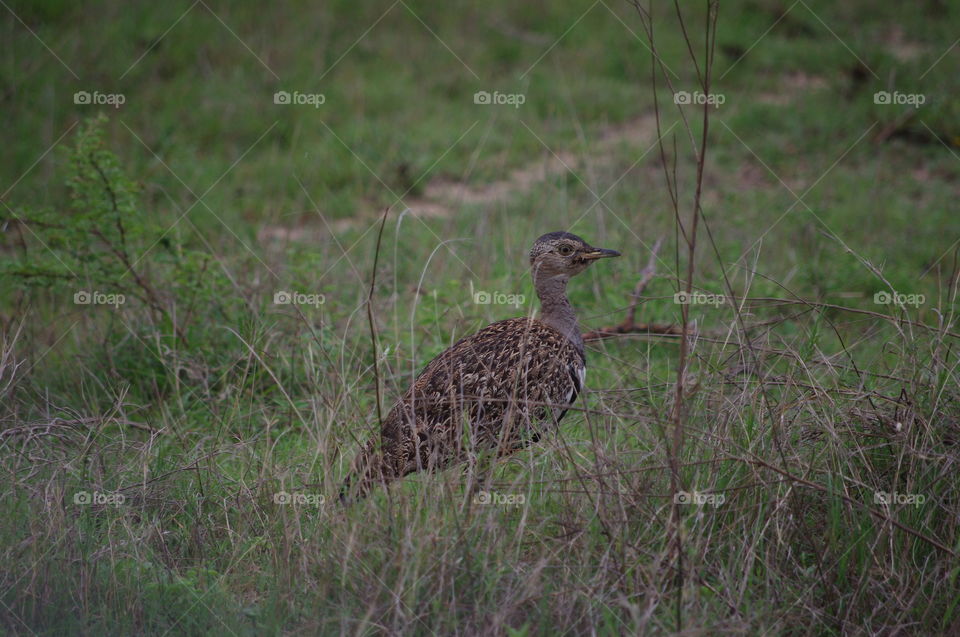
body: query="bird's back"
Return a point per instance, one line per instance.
(497, 388)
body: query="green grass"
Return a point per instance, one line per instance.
(199, 399)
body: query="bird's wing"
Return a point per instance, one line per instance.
(504, 381)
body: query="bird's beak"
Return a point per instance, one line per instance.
(599, 253)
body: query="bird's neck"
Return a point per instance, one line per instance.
(555, 308)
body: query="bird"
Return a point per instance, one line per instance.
(498, 389)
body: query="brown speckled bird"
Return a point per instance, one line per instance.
(497, 389)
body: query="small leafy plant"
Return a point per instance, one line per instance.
(104, 242)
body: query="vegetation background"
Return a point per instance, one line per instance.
(190, 199)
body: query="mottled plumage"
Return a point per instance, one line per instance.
(497, 389)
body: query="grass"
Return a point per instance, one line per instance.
(187, 412)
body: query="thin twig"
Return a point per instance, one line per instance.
(373, 328)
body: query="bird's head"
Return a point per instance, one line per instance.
(561, 254)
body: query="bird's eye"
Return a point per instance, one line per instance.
(565, 250)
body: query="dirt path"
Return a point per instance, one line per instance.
(441, 198)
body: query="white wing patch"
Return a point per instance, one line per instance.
(572, 393)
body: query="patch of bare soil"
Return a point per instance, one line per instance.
(441, 198)
(793, 87)
(902, 48)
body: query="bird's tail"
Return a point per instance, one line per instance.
(366, 472)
